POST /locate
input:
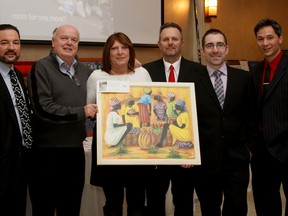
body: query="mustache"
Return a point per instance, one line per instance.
(170, 47)
(10, 52)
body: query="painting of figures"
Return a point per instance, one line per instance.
(151, 123)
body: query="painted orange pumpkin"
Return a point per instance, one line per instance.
(147, 139)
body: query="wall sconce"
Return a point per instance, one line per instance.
(210, 9)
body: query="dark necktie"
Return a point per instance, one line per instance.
(218, 87)
(75, 78)
(171, 74)
(22, 109)
(266, 81)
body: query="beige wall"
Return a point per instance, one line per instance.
(236, 18)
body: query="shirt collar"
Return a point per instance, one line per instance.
(4, 70)
(223, 69)
(176, 66)
(64, 68)
(274, 63)
(63, 64)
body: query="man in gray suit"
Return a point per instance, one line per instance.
(13, 152)
(270, 155)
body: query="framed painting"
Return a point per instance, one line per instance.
(147, 123)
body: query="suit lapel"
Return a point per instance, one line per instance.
(161, 74)
(231, 85)
(181, 75)
(279, 73)
(6, 97)
(206, 81)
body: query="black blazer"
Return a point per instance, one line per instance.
(274, 107)
(225, 135)
(10, 136)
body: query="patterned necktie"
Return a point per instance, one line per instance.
(22, 109)
(218, 87)
(171, 74)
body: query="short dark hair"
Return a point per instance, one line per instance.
(268, 22)
(170, 25)
(213, 31)
(123, 39)
(9, 27)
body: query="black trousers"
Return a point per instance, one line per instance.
(114, 194)
(267, 176)
(230, 184)
(57, 180)
(182, 188)
(13, 184)
(157, 184)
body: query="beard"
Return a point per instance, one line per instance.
(9, 60)
(171, 53)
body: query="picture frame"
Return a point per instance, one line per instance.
(122, 141)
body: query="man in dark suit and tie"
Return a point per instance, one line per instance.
(225, 124)
(270, 155)
(171, 68)
(15, 139)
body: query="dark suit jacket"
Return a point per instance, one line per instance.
(274, 107)
(225, 134)
(11, 170)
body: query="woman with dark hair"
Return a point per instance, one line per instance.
(118, 64)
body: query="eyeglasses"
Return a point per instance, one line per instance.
(219, 45)
(76, 80)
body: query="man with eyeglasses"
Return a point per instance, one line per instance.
(57, 87)
(225, 121)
